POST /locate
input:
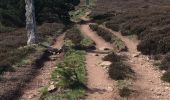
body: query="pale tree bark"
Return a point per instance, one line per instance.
(30, 22)
(87, 2)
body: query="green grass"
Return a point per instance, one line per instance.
(123, 87)
(70, 74)
(77, 14)
(120, 45)
(72, 70)
(75, 94)
(86, 42)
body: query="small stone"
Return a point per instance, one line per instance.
(152, 89)
(110, 89)
(151, 81)
(163, 71)
(136, 55)
(147, 59)
(105, 64)
(166, 88)
(51, 87)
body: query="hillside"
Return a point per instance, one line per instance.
(104, 50)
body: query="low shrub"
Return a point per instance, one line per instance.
(87, 43)
(166, 76)
(71, 71)
(124, 90)
(112, 57)
(102, 32)
(70, 76)
(101, 18)
(118, 70)
(113, 26)
(13, 57)
(75, 38)
(109, 37)
(74, 35)
(165, 64)
(94, 27)
(155, 44)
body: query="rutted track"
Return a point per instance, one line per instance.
(100, 87)
(32, 89)
(148, 85)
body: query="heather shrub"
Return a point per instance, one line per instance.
(112, 57)
(123, 87)
(74, 35)
(118, 70)
(153, 44)
(109, 37)
(165, 64)
(71, 71)
(12, 43)
(166, 76)
(102, 32)
(94, 27)
(114, 27)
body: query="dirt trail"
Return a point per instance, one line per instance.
(32, 89)
(100, 42)
(148, 85)
(100, 87)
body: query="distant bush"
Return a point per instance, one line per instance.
(101, 18)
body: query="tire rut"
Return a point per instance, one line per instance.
(32, 89)
(148, 85)
(100, 86)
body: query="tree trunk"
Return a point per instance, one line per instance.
(87, 2)
(30, 21)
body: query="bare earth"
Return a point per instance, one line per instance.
(147, 85)
(100, 87)
(32, 89)
(100, 43)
